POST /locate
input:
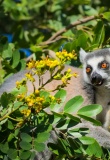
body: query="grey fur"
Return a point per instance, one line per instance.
(98, 53)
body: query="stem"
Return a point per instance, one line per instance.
(49, 80)
(13, 119)
(7, 115)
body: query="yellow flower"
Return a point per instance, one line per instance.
(31, 64)
(75, 75)
(21, 97)
(65, 56)
(40, 64)
(64, 80)
(52, 63)
(17, 83)
(26, 112)
(57, 76)
(37, 92)
(52, 97)
(30, 77)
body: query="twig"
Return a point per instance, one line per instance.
(60, 32)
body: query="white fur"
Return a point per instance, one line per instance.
(82, 55)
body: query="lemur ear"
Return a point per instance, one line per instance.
(82, 55)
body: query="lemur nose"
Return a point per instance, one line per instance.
(96, 79)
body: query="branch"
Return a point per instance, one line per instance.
(57, 36)
(60, 32)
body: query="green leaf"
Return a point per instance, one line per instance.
(4, 99)
(74, 134)
(82, 38)
(99, 33)
(90, 11)
(10, 125)
(63, 124)
(26, 137)
(15, 59)
(25, 154)
(95, 122)
(22, 89)
(94, 149)
(73, 104)
(12, 153)
(22, 64)
(90, 110)
(44, 93)
(4, 147)
(72, 117)
(86, 140)
(7, 50)
(16, 132)
(39, 146)
(61, 94)
(106, 15)
(10, 137)
(42, 137)
(25, 145)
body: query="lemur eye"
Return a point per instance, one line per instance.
(104, 65)
(88, 69)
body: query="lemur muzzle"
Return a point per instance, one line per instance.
(96, 79)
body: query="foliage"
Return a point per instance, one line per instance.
(25, 125)
(43, 27)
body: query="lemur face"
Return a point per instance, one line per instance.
(96, 67)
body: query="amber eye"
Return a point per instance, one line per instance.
(104, 65)
(88, 70)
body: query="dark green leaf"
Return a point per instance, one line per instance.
(26, 137)
(25, 154)
(4, 99)
(4, 147)
(12, 153)
(25, 145)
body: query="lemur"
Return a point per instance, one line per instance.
(92, 83)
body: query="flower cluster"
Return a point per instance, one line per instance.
(36, 101)
(21, 83)
(65, 56)
(33, 101)
(26, 112)
(66, 77)
(47, 63)
(30, 77)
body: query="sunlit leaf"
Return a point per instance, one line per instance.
(90, 110)
(73, 104)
